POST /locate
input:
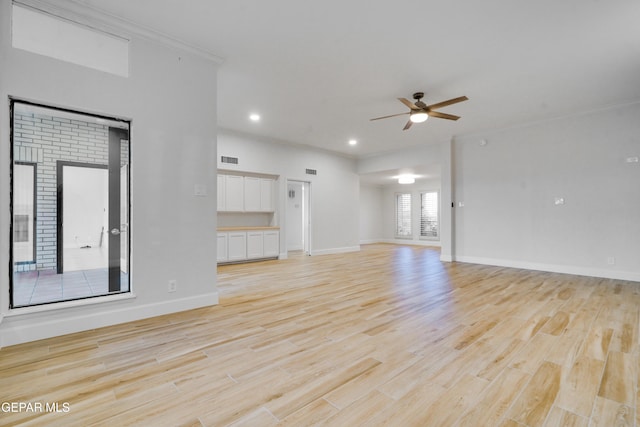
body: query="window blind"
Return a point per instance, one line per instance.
(429, 226)
(403, 215)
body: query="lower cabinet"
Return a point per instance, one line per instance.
(255, 244)
(237, 246)
(248, 245)
(271, 243)
(223, 255)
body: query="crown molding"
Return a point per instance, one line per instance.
(98, 19)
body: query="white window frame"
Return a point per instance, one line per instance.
(398, 226)
(422, 218)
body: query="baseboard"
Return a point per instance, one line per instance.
(433, 243)
(335, 250)
(48, 327)
(553, 268)
(371, 241)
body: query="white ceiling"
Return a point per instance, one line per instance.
(317, 71)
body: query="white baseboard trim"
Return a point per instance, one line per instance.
(553, 268)
(433, 243)
(335, 250)
(47, 327)
(371, 241)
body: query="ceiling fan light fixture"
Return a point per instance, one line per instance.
(418, 117)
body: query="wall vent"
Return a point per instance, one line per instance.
(311, 172)
(232, 160)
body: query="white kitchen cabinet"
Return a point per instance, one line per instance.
(251, 194)
(222, 254)
(234, 193)
(236, 246)
(247, 245)
(271, 243)
(222, 180)
(258, 194)
(255, 244)
(245, 194)
(266, 195)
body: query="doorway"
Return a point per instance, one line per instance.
(298, 219)
(83, 193)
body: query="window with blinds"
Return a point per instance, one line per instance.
(403, 215)
(429, 227)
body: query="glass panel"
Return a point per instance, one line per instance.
(73, 197)
(429, 215)
(403, 215)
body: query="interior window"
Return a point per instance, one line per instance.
(70, 205)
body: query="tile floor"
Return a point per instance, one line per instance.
(41, 287)
(86, 275)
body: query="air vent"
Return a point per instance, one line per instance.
(232, 160)
(311, 172)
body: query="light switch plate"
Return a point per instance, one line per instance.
(199, 190)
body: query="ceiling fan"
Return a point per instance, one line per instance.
(420, 112)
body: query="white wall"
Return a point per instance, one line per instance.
(334, 190)
(371, 213)
(509, 187)
(170, 97)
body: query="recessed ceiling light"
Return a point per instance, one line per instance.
(254, 117)
(352, 142)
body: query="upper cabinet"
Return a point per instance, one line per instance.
(245, 194)
(258, 194)
(234, 193)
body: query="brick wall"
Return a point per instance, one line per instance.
(44, 140)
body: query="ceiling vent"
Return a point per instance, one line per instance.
(231, 160)
(311, 172)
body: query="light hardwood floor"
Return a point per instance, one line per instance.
(386, 336)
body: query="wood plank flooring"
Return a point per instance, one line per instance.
(385, 336)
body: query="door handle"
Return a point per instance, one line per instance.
(115, 231)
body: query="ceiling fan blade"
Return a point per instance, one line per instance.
(408, 103)
(408, 125)
(393, 115)
(448, 102)
(442, 115)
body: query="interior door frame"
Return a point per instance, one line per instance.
(116, 137)
(60, 164)
(306, 212)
